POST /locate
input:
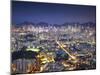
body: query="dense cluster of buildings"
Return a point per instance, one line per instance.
(55, 47)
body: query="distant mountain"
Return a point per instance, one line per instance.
(26, 23)
(42, 24)
(91, 24)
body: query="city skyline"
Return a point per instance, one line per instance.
(51, 13)
(51, 37)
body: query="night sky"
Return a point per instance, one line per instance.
(51, 13)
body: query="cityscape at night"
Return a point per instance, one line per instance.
(52, 37)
